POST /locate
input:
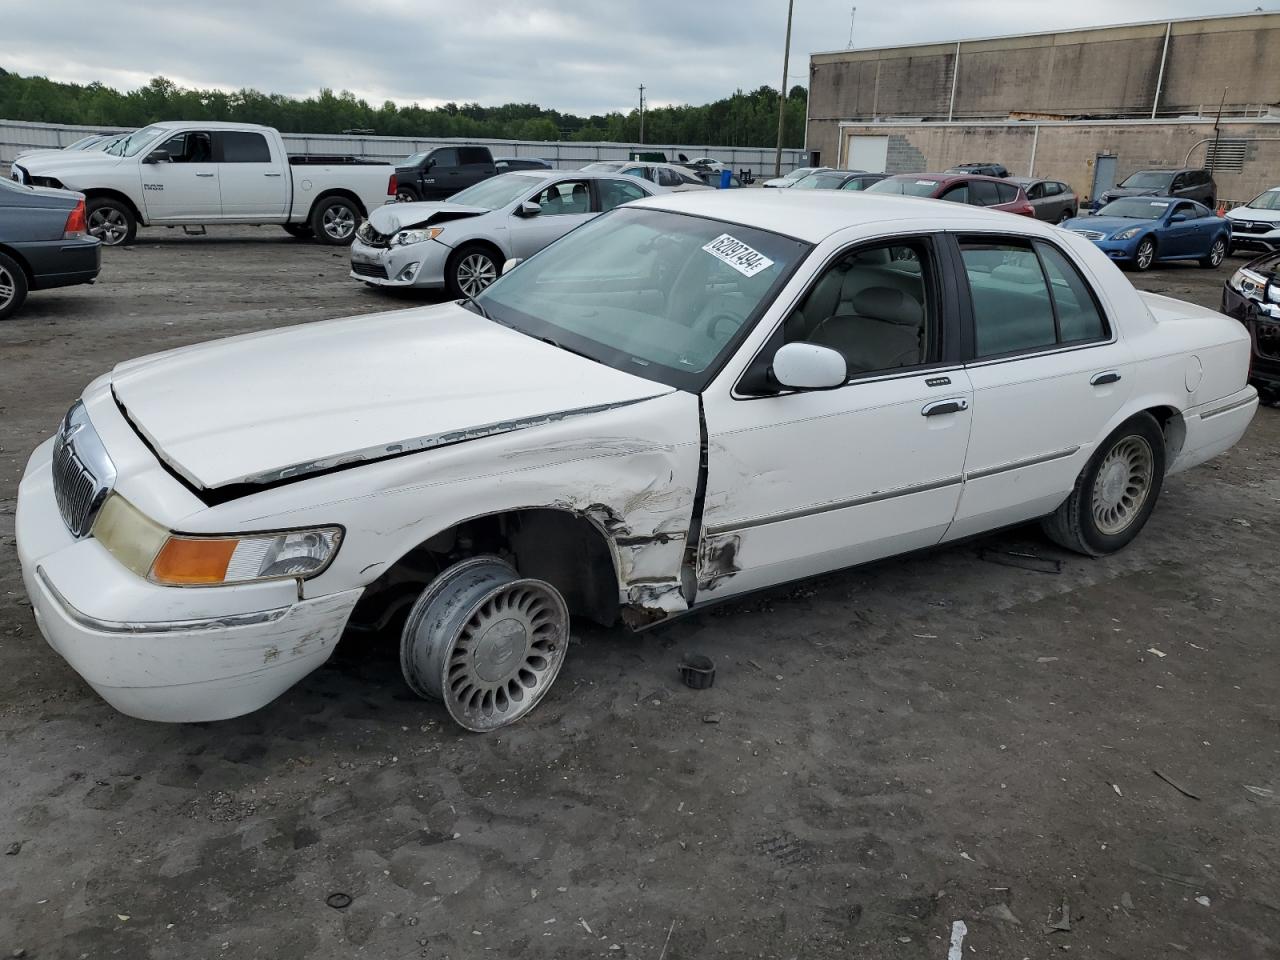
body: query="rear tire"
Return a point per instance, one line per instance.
(1115, 493)
(334, 221)
(1217, 253)
(471, 268)
(406, 194)
(111, 221)
(13, 286)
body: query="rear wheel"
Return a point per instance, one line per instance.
(13, 286)
(470, 269)
(1217, 253)
(111, 221)
(334, 221)
(1115, 493)
(1145, 255)
(486, 642)
(406, 193)
(1066, 215)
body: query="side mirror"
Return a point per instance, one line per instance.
(808, 366)
(1179, 218)
(157, 156)
(528, 209)
(511, 264)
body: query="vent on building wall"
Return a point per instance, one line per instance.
(1226, 156)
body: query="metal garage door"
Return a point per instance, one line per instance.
(868, 153)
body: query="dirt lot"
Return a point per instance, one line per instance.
(899, 747)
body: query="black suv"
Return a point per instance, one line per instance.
(1189, 183)
(980, 169)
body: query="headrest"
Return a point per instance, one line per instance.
(888, 304)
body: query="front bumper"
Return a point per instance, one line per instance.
(411, 265)
(170, 654)
(1247, 239)
(1119, 249)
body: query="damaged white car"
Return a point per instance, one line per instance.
(689, 398)
(462, 243)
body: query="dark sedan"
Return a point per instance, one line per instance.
(1252, 296)
(43, 243)
(839, 180)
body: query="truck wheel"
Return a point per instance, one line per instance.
(334, 221)
(470, 269)
(299, 231)
(406, 194)
(13, 286)
(1217, 253)
(486, 641)
(111, 221)
(1115, 492)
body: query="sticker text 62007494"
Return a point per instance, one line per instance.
(738, 255)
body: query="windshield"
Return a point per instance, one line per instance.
(798, 174)
(83, 142)
(661, 295)
(497, 191)
(413, 159)
(1266, 201)
(1132, 208)
(1149, 180)
(132, 145)
(821, 181)
(911, 186)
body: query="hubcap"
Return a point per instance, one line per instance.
(1122, 485)
(339, 222)
(475, 272)
(109, 225)
(405, 197)
(8, 288)
(1146, 253)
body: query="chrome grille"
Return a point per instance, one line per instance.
(1091, 234)
(83, 474)
(1243, 226)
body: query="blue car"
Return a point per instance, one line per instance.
(1144, 230)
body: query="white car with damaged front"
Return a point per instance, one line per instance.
(686, 399)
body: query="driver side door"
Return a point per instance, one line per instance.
(185, 188)
(1180, 239)
(563, 205)
(802, 482)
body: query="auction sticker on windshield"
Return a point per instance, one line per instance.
(738, 255)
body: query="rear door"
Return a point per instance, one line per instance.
(1048, 375)
(564, 204)
(254, 183)
(476, 165)
(184, 188)
(441, 177)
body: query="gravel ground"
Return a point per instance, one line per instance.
(885, 751)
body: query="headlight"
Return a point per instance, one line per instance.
(176, 559)
(416, 236)
(1127, 234)
(1236, 282)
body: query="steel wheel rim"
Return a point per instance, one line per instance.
(109, 225)
(8, 287)
(475, 272)
(506, 655)
(1122, 485)
(404, 196)
(339, 222)
(1146, 253)
(1217, 253)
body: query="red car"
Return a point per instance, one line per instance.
(959, 188)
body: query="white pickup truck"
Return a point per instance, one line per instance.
(201, 172)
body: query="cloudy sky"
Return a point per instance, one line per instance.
(584, 56)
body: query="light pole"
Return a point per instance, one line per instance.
(782, 91)
(642, 113)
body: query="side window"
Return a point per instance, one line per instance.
(1200, 210)
(189, 148)
(667, 178)
(614, 193)
(958, 194)
(445, 158)
(1054, 189)
(1011, 306)
(1179, 182)
(241, 146)
(1007, 192)
(855, 184)
(640, 172)
(1186, 209)
(982, 193)
(473, 156)
(1079, 316)
(690, 178)
(875, 306)
(565, 197)
(1038, 191)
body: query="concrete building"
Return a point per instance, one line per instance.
(1087, 106)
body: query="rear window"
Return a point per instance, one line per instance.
(1006, 191)
(983, 193)
(909, 186)
(473, 155)
(241, 146)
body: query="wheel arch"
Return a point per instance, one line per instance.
(500, 255)
(94, 193)
(21, 261)
(336, 192)
(1167, 414)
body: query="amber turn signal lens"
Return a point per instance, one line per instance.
(195, 561)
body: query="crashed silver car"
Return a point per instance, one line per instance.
(461, 243)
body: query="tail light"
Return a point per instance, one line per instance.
(75, 222)
(1027, 210)
(391, 185)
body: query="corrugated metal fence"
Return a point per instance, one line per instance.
(18, 136)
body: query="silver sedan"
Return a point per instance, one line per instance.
(461, 243)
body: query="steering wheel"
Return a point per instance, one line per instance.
(719, 326)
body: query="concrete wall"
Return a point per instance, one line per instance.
(1067, 150)
(1098, 73)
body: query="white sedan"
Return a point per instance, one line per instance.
(686, 399)
(461, 243)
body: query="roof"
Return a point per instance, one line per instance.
(814, 215)
(209, 125)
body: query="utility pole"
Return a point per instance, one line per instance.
(852, 16)
(782, 91)
(642, 113)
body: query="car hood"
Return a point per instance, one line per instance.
(1107, 225)
(277, 405)
(390, 217)
(1249, 213)
(61, 163)
(1114, 192)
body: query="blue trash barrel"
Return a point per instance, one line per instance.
(725, 177)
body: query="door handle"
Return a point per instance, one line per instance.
(273, 174)
(938, 407)
(1104, 378)
(204, 174)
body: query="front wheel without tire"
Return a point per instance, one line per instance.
(334, 221)
(13, 286)
(1217, 253)
(470, 269)
(486, 641)
(111, 221)
(1115, 493)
